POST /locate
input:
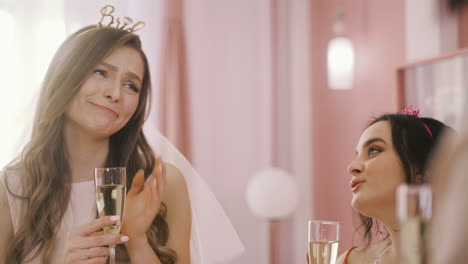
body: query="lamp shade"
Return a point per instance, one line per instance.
(272, 194)
(340, 63)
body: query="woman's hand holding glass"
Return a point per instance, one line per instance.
(144, 201)
(86, 244)
(323, 242)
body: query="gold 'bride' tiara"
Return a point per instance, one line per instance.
(127, 23)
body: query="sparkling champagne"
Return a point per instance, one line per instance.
(323, 252)
(111, 201)
(413, 240)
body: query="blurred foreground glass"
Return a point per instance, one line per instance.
(323, 241)
(414, 211)
(110, 197)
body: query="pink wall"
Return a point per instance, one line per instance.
(228, 59)
(338, 117)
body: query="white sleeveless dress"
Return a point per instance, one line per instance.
(210, 225)
(81, 209)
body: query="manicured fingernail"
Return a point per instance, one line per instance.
(124, 239)
(115, 217)
(154, 182)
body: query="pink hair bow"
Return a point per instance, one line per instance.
(415, 112)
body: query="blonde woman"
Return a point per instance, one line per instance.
(91, 110)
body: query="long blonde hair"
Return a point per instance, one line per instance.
(43, 164)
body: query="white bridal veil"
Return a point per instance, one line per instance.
(213, 238)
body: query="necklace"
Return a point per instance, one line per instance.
(381, 253)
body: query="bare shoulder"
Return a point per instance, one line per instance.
(175, 180)
(6, 227)
(176, 195)
(178, 215)
(354, 256)
(366, 254)
(3, 193)
(4, 204)
(342, 257)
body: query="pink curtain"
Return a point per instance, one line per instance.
(174, 108)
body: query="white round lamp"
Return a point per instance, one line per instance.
(272, 194)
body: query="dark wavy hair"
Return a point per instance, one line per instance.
(414, 145)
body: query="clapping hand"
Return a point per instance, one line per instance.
(144, 200)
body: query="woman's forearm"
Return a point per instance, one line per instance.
(140, 251)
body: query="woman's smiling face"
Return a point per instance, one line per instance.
(109, 97)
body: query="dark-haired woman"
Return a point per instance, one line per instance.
(393, 149)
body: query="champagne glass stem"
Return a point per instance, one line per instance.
(112, 254)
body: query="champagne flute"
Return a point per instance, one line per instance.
(323, 241)
(414, 211)
(110, 197)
